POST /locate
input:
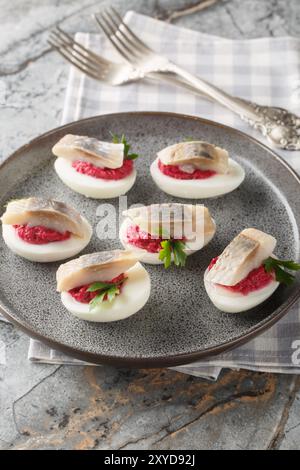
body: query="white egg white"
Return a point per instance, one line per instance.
(134, 295)
(153, 258)
(216, 185)
(234, 302)
(89, 186)
(49, 252)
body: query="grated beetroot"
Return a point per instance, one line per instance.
(82, 295)
(137, 237)
(89, 169)
(141, 239)
(175, 172)
(40, 235)
(257, 279)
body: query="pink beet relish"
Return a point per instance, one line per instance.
(137, 237)
(257, 279)
(175, 172)
(40, 235)
(89, 169)
(82, 295)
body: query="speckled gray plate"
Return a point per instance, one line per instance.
(179, 324)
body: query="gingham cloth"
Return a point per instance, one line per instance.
(264, 70)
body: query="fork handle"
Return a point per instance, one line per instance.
(240, 107)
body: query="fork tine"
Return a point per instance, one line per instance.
(119, 30)
(114, 33)
(84, 59)
(143, 46)
(72, 41)
(112, 40)
(77, 65)
(75, 61)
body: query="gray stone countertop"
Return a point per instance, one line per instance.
(72, 407)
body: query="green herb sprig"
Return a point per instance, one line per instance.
(106, 290)
(279, 267)
(177, 248)
(122, 140)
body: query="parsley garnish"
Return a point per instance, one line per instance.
(179, 254)
(177, 248)
(122, 140)
(107, 290)
(279, 267)
(165, 253)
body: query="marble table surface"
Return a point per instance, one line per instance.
(64, 407)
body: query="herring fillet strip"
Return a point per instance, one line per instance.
(105, 154)
(246, 252)
(199, 154)
(47, 212)
(101, 266)
(172, 218)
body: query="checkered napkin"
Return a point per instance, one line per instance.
(264, 70)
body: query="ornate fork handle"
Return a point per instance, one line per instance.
(281, 127)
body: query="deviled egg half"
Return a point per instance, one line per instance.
(104, 287)
(44, 230)
(196, 170)
(162, 233)
(242, 277)
(96, 169)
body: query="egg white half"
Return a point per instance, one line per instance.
(199, 189)
(89, 186)
(234, 302)
(49, 252)
(153, 258)
(134, 295)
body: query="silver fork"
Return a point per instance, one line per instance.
(90, 63)
(281, 127)
(99, 68)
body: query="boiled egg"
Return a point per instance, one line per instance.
(241, 258)
(97, 154)
(232, 302)
(196, 221)
(50, 214)
(97, 267)
(89, 186)
(219, 173)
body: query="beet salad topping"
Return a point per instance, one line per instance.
(89, 169)
(141, 239)
(82, 295)
(175, 172)
(40, 235)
